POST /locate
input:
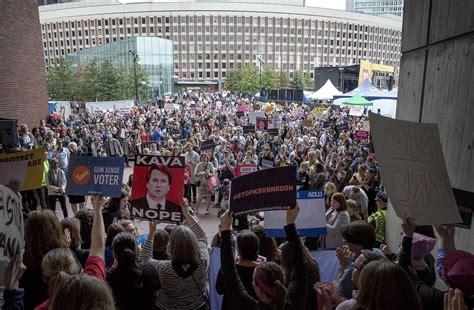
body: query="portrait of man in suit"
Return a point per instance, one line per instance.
(158, 184)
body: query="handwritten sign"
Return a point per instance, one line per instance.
(95, 176)
(34, 172)
(12, 235)
(414, 171)
(13, 171)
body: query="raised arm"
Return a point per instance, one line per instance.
(146, 253)
(98, 230)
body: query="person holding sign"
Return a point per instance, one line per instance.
(184, 277)
(269, 277)
(158, 184)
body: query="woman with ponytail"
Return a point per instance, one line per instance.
(269, 277)
(126, 278)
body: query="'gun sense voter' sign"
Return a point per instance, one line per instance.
(95, 176)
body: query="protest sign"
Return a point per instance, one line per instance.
(95, 176)
(342, 127)
(240, 113)
(243, 108)
(269, 189)
(329, 124)
(243, 169)
(273, 131)
(158, 188)
(465, 203)
(311, 220)
(12, 234)
(248, 129)
(267, 163)
(213, 183)
(262, 123)
(307, 123)
(253, 116)
(413, 170)
(207, 145)
(8, 132)
(34, 171)
(13, 171)
(361, 135)
(356, 111)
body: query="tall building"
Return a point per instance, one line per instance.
(375, 7)
(212, 37)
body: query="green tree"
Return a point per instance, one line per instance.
(128, 83)
(61, 80)
(248, 79)
(232, 79)
(110, 82)
(283, 79)
(269, 78)
(297, 80)
(89, 81)
(308, 81)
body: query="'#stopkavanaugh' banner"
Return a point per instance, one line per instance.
(311, 220)
(269, 189)
(34, 172)
(12, 234)
(158, 188)
(95, 176)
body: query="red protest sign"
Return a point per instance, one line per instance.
(361, 135)
(243, 169)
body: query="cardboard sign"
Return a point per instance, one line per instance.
(248, 129)
(243, 169)
(8, 132)
(207, 145)
(267, 163)
(307, 123)
(13, 171)
(465, 203)
(34, 172)
(311, 220)
(262, 123)
(95, 176)
(269, 189)
(158, 188)
(413, 170)
(273, 131)
(361, 135)
(12, 235)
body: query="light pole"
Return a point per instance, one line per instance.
(260, 64)
(135, 59)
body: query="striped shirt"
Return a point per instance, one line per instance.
(177, 292)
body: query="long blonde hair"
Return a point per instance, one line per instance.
(57, 265)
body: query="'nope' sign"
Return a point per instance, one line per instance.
(95, 176)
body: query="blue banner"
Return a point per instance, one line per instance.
(95, 176)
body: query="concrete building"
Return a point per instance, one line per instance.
(212, 37)
(375, 7)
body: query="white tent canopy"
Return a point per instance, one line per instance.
(327, 92)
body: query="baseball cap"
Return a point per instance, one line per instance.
(382, 196)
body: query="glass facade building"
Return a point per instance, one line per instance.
(155, 56)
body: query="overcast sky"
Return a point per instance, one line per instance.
(330, 4)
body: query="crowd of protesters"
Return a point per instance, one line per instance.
(95, 259)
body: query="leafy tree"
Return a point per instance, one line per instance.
(297, 80)
(308, 81)
(283, 79)
(110, 82)
(89, 81)
(269, 78)
(249, 80)
(232, 79)
(61, 80)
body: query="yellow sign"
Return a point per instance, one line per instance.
(367, 70)
(34, 172)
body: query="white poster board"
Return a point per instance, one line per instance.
(13, 171)
(123, 107)
(253, 116)
(413, 170)
(12, 233)
(356, 111)
(311, 220)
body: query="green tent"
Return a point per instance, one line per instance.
(358, 100)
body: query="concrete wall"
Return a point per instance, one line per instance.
(437, 86)
(23, 93)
